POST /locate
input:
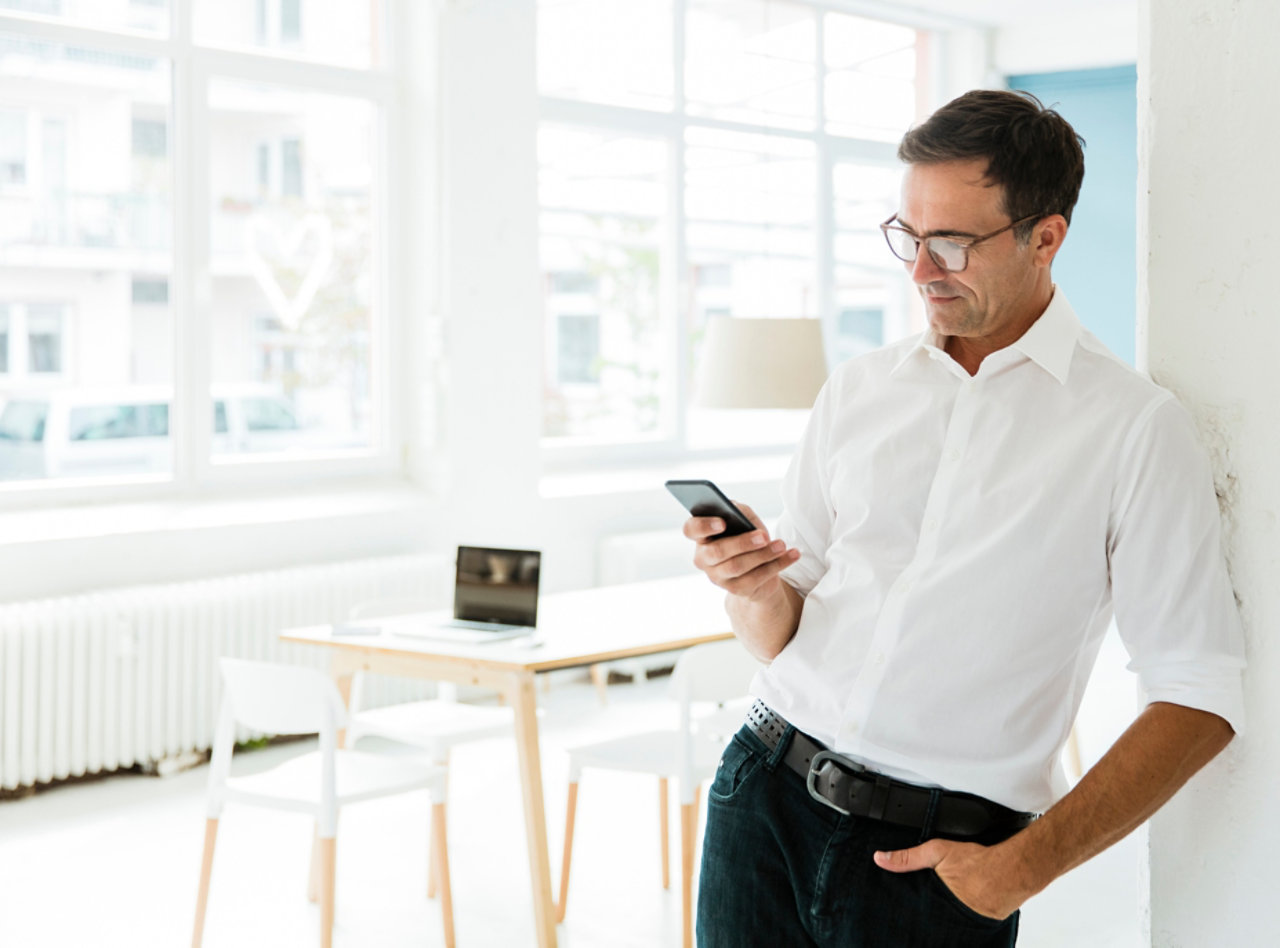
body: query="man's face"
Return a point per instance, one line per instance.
(994, 299)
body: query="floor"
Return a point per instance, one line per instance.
(114, 863)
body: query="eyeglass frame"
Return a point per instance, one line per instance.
(965, 243)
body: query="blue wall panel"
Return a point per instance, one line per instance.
(1096, 267)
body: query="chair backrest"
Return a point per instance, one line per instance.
(714, 671)
(404, 605)
(281, 699)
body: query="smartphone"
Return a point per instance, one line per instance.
(704, 499)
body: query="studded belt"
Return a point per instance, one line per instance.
(851, 789)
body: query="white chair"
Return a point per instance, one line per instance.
(717, 672)
(436, 725)
(288, 699)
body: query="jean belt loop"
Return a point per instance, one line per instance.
(780, 751)
(930, 815)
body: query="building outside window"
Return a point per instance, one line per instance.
(279, 179)
(711, 157)
(44, 338)
(13, 149)
(31, 343)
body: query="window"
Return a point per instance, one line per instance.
(150, 138)
(578, 357)
(32, 342)
(13, 148)
(150, 291)
(44, 338)
(604, 210)
(143, 16)
(211, 286)
(291, 167)
(336, 32)
(294, 293)
(712, 157)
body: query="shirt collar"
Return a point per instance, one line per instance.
(1049, 343)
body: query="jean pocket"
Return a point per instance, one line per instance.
(739, 761)
(953, 900)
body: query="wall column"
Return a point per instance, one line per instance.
(1208, 296)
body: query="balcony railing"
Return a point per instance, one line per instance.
(116, 221)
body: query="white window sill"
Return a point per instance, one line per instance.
(57, 551)
(177, 515)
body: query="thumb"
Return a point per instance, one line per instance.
(924, 856)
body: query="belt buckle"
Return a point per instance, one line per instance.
(811, 779)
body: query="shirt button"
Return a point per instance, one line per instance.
(931, 524)
(878, 658)
(953, 454)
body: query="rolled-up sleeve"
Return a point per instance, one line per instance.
(1174, 604)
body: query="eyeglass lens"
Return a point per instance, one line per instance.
(945, 253)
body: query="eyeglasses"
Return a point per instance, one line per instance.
(949, 253)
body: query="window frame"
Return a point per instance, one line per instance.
(192, 70)
(564, 455)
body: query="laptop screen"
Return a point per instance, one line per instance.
(495, 585)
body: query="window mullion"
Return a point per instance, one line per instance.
(680, 247)
(192, 301)
(824, 216)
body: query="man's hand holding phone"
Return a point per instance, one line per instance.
(745, 563)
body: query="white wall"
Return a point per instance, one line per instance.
(1207, 99)
(1105, 36)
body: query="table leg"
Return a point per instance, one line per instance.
(343, 677)
(523, 699)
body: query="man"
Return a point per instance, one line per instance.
(965, 513)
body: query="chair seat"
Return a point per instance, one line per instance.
(649, 752)
(434, 724)
(359, 776)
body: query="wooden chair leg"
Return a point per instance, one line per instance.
(433, 849)
(688, 824)
(600, 678)
(206, 870)
(440, 850)
(313, 877)
(328, 853)
(664, 832)
(568, 851)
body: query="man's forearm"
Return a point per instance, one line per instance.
(1158, 753)
(765, 624)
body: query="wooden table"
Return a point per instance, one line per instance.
(574, 629)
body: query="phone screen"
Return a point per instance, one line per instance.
(702, 498)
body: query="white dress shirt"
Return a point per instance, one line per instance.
(964, 543)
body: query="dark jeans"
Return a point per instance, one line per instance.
(781, 869)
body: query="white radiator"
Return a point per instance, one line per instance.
(106, 680)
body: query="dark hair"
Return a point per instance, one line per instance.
(1032, 152)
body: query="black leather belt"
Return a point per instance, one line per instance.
(851, 789)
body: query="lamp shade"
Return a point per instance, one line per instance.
(760, 363)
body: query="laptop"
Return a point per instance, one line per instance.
(495, 597)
